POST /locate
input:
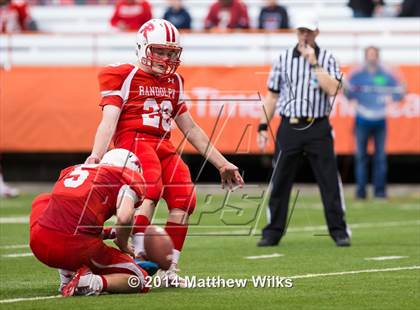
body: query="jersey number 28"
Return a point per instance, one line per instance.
(155, 113)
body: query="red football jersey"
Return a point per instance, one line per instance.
(148, 102)
(85, 196)
(13, 17)
(132, 15)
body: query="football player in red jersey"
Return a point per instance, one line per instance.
(66, 225)
(139, 101)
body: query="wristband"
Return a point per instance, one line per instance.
(262, 127)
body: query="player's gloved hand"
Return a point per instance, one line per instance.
(125, 247)
(262, 139)
(92, 159)
(230, 176)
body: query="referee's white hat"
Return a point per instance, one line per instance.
(306, 21)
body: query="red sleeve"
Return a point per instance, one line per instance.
(111, 79)
(136, 182)
(212, 19)
(22, 10)
(115, 17)
(147, 13)
(180, 106)
(244, 18)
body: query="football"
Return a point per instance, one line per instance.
(158, 246)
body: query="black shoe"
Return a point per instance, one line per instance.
(267, 242)
(341, 242)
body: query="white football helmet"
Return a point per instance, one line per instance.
(159, 34)
(122, 158)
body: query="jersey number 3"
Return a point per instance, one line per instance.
(154, 113)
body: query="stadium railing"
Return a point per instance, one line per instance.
(201, 48)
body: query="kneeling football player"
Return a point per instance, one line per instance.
(66, 226)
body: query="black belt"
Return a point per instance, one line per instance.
(302, 120)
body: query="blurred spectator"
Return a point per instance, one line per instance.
(366, 8)
(410, 8)
(178, 15)
(15, 17)
(131, 14)
(6, 191)
(372, 87)
(227, 14)
(273, 16)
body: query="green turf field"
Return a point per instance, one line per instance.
(221, 238)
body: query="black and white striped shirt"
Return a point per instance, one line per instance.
(299, 92)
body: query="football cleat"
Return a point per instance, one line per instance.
(65, 277)
(170, 278)
(7, 191)
(83, 283)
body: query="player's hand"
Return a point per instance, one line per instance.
(262, 139)
(125, 247)
(92, 159)
(108, 233)
(230, 176)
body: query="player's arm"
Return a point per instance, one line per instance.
(104, 133)
(267, 114)
(126, 201)
(198, 138)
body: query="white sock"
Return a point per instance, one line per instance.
(175, 258)
(138, 243)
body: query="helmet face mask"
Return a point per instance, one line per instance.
(162, 59)
(158, 47)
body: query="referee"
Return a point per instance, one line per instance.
(302, 84)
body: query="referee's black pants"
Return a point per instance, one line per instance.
(316, 142)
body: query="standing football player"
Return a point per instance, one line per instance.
(139, 101)
(66, 226)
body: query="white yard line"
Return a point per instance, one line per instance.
(14, 246)
(316, 275)
(357, 225)
(14, 220)
(385, 257)
(264, 256)
(304, 276)
(7, 301)
(314, 228)
(18, 255)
